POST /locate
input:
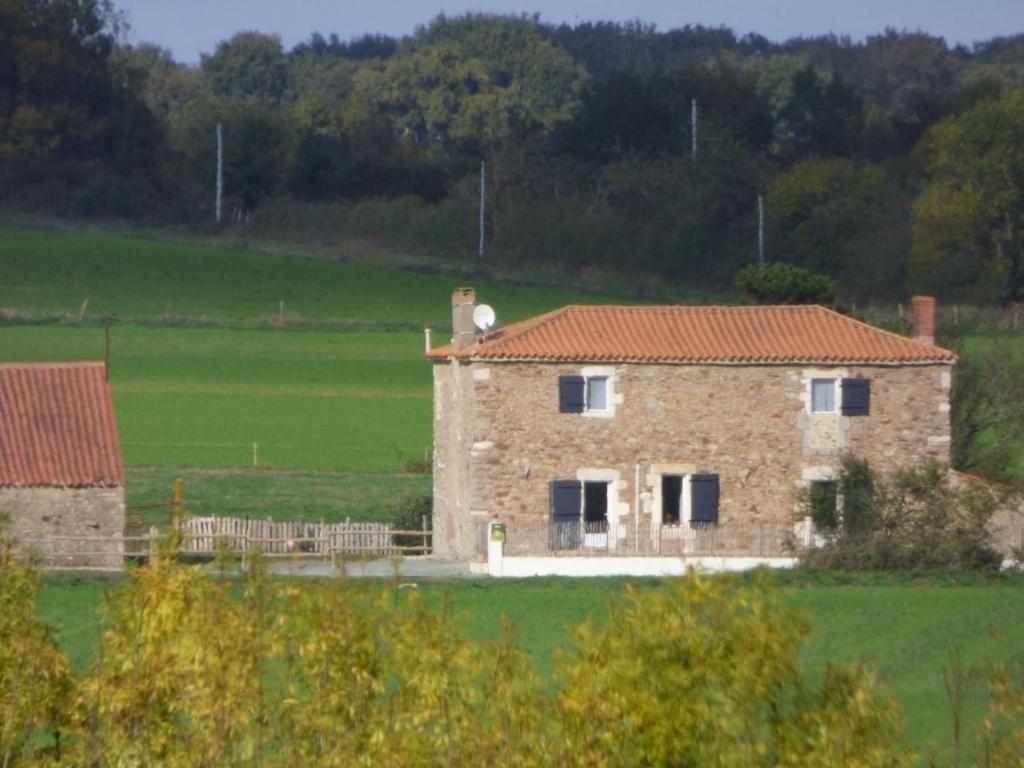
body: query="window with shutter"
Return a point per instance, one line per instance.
(703, 500)
(566, 509)
(571, 393)
(856, 394)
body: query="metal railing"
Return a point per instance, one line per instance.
(750, 539)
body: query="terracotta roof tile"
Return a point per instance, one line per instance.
(57, 426)
(693, 334)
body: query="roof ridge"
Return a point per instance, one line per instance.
(876, 329)
(695, 333)
(522, 327)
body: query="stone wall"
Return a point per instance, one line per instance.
(500, 438)
(49, 513)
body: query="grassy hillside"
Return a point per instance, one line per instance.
(50, 274)
(907, 630)
(202, 397)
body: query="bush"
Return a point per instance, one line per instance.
(916, 520)
(198, 670)
(409, 517)
(36, 688)
(780, 283)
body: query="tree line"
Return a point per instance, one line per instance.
(891, 164)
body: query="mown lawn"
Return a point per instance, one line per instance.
(195, 397)
(907, 628)
(280, 494)
(50, 273)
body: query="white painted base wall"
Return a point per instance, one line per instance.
(502, 567)
(523, 567)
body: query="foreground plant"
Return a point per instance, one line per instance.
(36, 687)
(704, 672)
(195, 670)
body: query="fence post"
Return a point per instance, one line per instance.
(153, 535)
(177, 498)
(427, 550)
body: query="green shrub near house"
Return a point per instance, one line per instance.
(919, 518)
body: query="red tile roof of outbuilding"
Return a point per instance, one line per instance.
(57, 426)
(698, 334)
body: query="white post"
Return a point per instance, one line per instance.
(760, 229)
(220, 169)
(495, 551)
(255, 454)
(693, 129)
(426, 338)
(636, 510)
(483, 187)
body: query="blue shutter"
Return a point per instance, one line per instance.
(571, 394)
(856, 395)
(704, 499)
(566, 503)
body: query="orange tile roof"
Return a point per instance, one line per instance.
(693, 334)
(57, 426)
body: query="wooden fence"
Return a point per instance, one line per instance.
(206, 536)
(202, 534)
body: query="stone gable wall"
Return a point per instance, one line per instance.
(500, 439)
(46, 513)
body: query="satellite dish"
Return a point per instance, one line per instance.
(483, 317)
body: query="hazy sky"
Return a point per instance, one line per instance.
(189, 27)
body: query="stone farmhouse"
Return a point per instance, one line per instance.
(61, 472)
(593, 423)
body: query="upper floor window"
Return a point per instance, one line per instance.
(597, 393)
(823, 396)
(849, 397)
(592, 393)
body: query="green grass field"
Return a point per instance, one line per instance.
(278, 494)
(50, 274)
(907, 629)
(198, 397)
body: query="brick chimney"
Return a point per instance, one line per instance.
(463, 327)
(924, 319)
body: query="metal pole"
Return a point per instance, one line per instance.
(760, 229)
(693, 128)
(483, 187)
(220, 169)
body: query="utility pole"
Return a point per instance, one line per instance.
(760, 229)
(483, 187)
(220, 169)
(693, 128)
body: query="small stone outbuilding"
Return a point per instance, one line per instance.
(61, 472)
(606, 426)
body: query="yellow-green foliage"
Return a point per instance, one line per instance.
(195, 670)
(705, 673)
(1002, 736)
(35, 683)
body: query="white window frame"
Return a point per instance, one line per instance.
(586, 393)
(612, 399)
(836, 395)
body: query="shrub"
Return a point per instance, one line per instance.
(780, 283)
(36, 688)
(193, 670)
(706, 672)
(916, 519)
(409, 517)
